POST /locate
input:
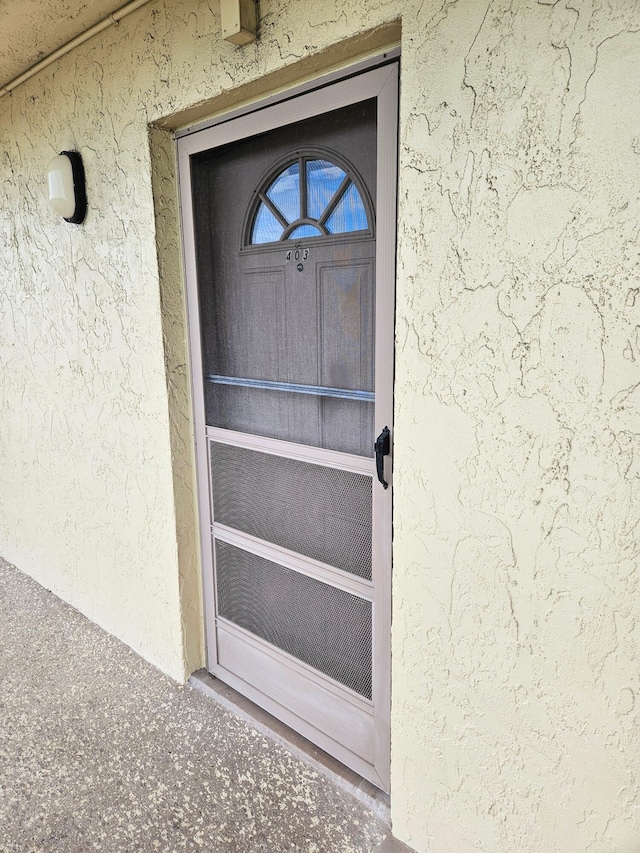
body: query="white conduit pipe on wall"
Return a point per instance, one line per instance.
(114, 18)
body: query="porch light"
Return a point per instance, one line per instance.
(67, 193)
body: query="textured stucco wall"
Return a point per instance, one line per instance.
(517, 457)
(518, 438)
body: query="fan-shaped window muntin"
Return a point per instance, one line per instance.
(309, 196)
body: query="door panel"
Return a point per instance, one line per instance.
(292, 369)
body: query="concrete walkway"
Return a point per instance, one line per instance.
(100, 751)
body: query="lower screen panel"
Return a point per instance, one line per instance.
(325, 627)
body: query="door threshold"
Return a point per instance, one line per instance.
(344, 778)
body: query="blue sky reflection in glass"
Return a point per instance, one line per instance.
(333, 204)
(284, 192)
(305, 230)
(349, 214)
(266, 228)
(323, 181)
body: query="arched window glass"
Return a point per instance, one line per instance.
(305, 231)
(323, 181)
(349, 214)
(266, 228)
(326, 202)
(284, 192)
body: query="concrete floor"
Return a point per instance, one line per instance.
(100, 751)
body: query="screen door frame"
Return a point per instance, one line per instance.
(380, 83)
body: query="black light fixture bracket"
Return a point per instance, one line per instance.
(79, 187)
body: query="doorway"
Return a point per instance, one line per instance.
(289, 228)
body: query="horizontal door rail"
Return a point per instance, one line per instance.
(290, 450)
(315, 390)
(331, 575)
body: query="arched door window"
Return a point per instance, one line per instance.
(309, 196)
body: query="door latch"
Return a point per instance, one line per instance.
(382, 448)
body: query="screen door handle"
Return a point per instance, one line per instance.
(382, 448)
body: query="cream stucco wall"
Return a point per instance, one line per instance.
(517, 460)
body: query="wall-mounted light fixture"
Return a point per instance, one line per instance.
(239, 20)
(67, 193)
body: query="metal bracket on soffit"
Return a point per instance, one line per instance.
(239, 20)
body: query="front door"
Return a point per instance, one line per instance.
(289, 219)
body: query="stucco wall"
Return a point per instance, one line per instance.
(517, 440)
(517, 456)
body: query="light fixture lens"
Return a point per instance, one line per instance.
(67, 194)
(61, 194)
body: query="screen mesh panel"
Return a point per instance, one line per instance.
(335, 424)
(284, 192)
(325, 627)
(266, 228)
(323, 180)
(313, 326)
(317, 511)
(349, 214)
(305, 231)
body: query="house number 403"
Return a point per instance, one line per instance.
(297, 254)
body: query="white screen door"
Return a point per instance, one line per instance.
(289, 226)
